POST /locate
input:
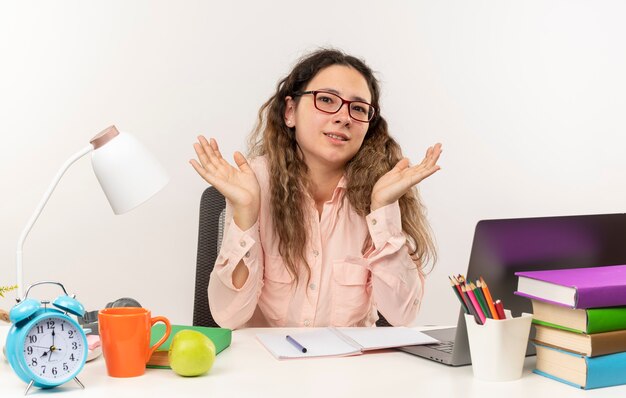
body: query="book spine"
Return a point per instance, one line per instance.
(607, 370)
(608, 342)
(603, 296)
(606, 319)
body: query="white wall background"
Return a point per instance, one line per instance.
(528, 98)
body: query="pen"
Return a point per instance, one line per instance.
(296, 344)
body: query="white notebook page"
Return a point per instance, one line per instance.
(319, 343)
(386, 337)
(340, 342)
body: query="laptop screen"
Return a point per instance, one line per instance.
(503, 247)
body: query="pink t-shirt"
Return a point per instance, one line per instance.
(346, 288)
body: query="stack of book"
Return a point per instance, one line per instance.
(580, 321)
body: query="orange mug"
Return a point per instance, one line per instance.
(125, 336)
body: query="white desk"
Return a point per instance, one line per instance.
(246, 369)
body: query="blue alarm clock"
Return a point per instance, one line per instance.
(45, 346)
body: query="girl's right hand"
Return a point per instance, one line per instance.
(239, 186)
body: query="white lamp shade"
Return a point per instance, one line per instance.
(128, 173)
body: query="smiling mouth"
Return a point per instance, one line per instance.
(337, 137)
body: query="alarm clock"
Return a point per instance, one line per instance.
(45, 346)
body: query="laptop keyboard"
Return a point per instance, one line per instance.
(444, 346)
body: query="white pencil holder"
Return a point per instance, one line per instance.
(498, 347)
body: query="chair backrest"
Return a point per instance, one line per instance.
(210, 231)
(211, 226)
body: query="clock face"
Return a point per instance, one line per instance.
(54, 349)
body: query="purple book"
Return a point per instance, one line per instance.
(577, 287)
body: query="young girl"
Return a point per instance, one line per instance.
(323, 226)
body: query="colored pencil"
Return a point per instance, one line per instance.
(464, 296)
(500, 309)
(481, 287)
(464, 288)
(481, 300)
(472, 297)
(457, 291)
(489, 299)
(476, 299)
(470, 305)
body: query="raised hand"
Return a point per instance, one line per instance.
(397, 181)
(238, 185)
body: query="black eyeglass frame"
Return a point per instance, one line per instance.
(343, 102)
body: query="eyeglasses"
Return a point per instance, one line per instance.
(332, 103)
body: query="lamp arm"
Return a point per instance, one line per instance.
(40, 207)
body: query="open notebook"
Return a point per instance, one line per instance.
(333, 342)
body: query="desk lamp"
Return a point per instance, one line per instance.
(128, 174)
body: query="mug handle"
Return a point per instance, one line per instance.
(168, 330)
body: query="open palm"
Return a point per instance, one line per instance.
(397, 181)
(238, 185)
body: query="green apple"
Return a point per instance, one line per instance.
(191, 353)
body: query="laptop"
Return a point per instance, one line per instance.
(503, 247)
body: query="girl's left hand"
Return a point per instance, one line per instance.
(397, 181)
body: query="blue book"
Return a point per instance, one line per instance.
(579, 370)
